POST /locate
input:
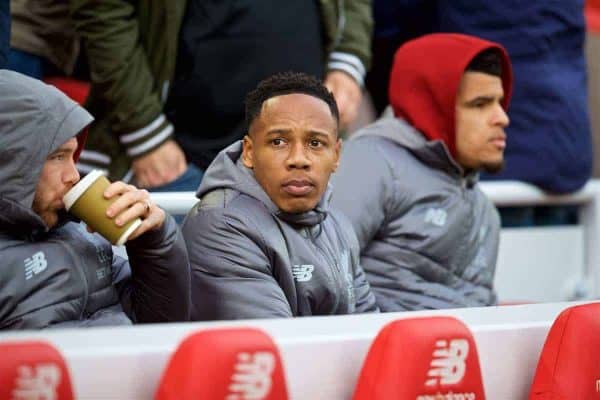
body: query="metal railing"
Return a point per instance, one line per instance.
(504, 193)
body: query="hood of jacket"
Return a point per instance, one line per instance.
(433, 153)
(35, 120)
(228, 172)
(425, 78)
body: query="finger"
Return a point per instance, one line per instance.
(155, 178)
(181, 166)
(137, 210)
(141, 181)
(125, 201)
(154, 220)
(117, 188)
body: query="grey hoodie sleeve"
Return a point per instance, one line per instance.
(361, 188)
(231, 269)
(159, 287)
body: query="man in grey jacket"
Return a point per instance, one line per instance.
(263, 241)
(428, 235)
(54, 272)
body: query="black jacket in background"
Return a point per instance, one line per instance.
(4, 32)
(226, 47)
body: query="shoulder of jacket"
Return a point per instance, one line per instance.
(227, 207)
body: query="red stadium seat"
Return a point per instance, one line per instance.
(569, 364)
(422, 359)
(229, 364)
(77, 90)
(33, 370)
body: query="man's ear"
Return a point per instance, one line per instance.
(338, 150)
(247, 155)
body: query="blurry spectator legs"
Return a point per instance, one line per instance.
(4, 32)
(26, 63)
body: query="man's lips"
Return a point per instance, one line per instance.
(298, 187)
(499, 142)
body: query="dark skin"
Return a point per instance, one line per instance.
(293, 148)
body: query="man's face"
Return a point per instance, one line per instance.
(480, 122)
(293, 148)
(57, 177)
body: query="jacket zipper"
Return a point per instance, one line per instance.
(336, 270)
(86, 288)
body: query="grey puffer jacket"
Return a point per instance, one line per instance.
(65, 276)
(250, 260)
(428, 235)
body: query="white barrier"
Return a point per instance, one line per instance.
(322, 356)
(566, 277)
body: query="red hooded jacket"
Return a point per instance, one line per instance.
(425, 78)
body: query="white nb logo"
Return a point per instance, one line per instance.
(35, 264)
(252, 377)
(37, 384)
(303, 273)
(436, 216)
(448, 364)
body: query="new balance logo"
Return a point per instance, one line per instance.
(436, 216)
(35, 264)
(303, 273)
(448, 364)
(40, 383)
(251, 379)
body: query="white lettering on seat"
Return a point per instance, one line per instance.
(251, 379)
(448, 364)
(37, 384)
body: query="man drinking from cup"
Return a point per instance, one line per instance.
(55, 272)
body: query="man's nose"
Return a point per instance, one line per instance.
(71, 174)
(501, 117)
(298, 157)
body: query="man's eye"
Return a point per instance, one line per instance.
(277, 142)
(315, 143)
(58, 157)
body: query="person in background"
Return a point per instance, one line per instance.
(549, 138)
(227, 47)
(43, 41)
(131, 51)
(4, 32)
(54, 272)
(263, 240)
(408, 183)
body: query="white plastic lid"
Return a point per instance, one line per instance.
(76, 191)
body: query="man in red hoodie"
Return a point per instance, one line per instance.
(428, 235)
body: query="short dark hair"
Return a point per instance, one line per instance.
(287, 83)
(488, 61)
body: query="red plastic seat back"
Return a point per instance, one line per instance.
(421, 359)
(33, 370)
(569, 364)
(229, 364)
(77, 90)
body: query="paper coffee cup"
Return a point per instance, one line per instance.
(86, 201)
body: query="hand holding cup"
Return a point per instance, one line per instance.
(132, 203)
(117, 211)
